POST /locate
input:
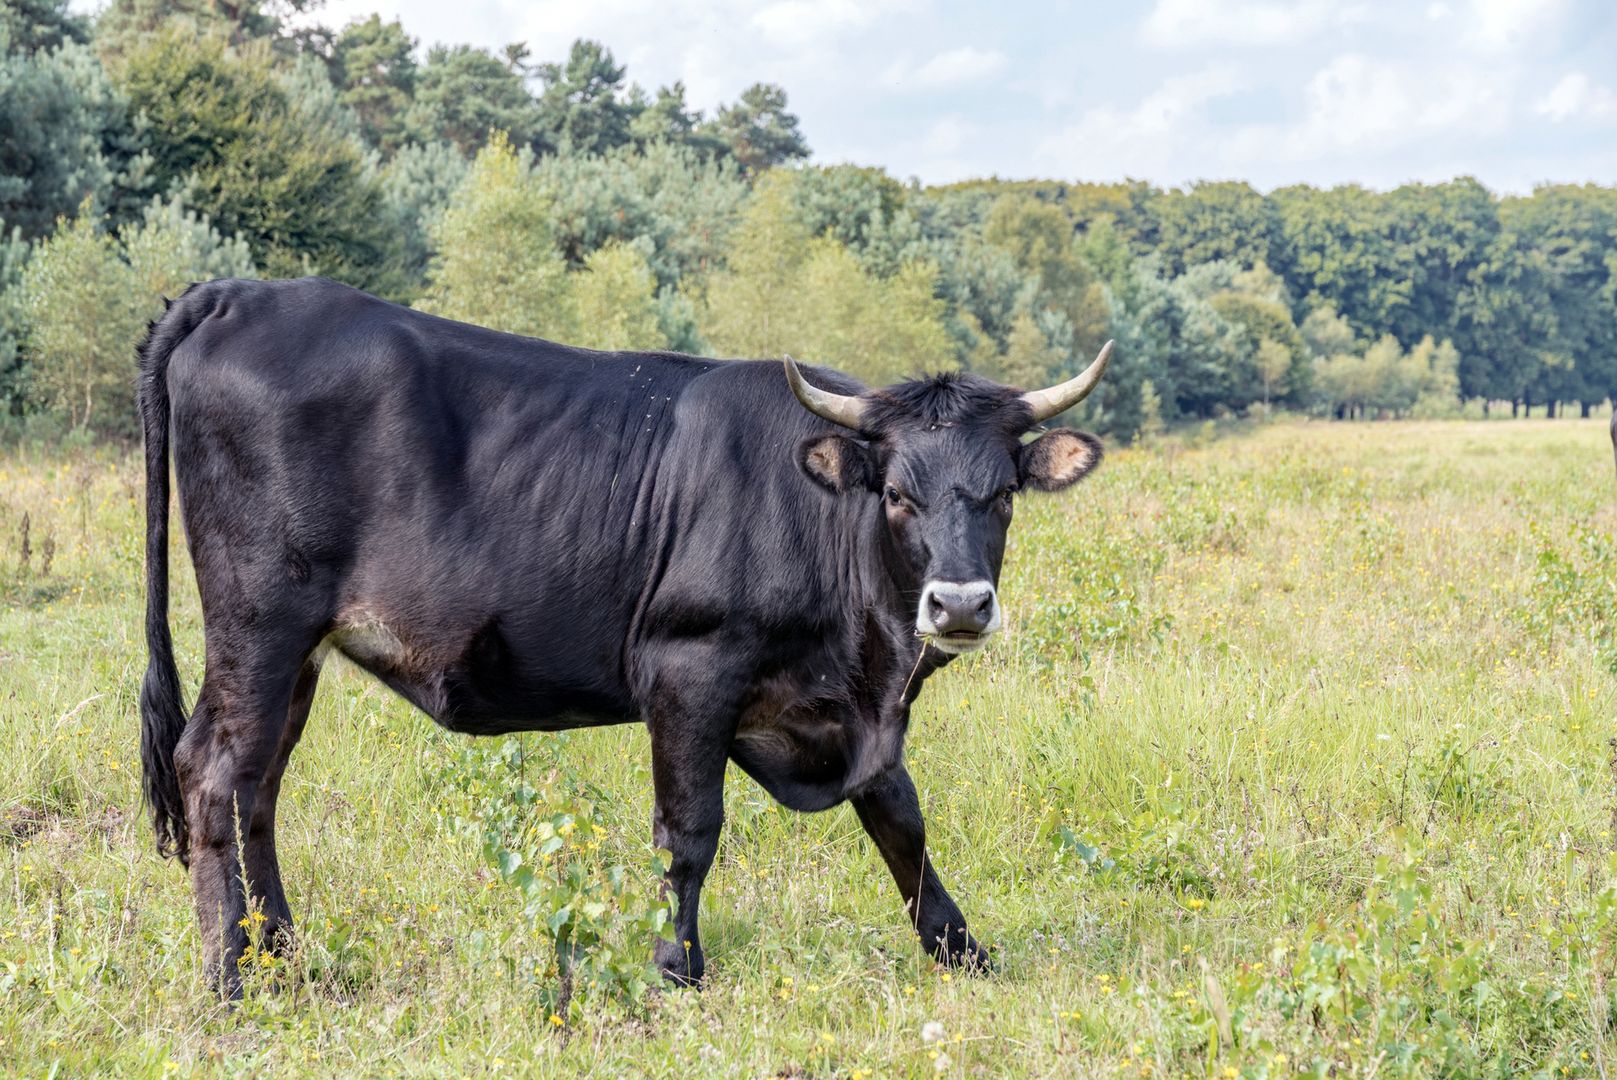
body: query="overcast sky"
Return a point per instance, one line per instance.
(1323, 91)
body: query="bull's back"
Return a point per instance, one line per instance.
(460, 511)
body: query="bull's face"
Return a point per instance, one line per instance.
(946, 459)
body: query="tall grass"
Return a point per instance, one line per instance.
(1295, 758)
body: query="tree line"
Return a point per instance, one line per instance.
(175, 140)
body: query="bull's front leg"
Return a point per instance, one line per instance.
(890, 811)
(688, 759)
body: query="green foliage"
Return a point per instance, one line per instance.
(417, 185)
(1274, 361)
(463, 93)
(306, 81)
(1572, 590)
(1151, 425)
(669, 195)
(1551, 298)
(666, 119)
(1212, 222)
(758, 131)
(1388, 381)
(126, 25)
(66, 133)
(1457, 777)
(496, 262)
(375, 70)
(223, 124)
(1196, 359)
(33, 26)
(541, 828)
(1156, 848)
(1062, 291)
(1393, 967)
(13, 367)
(786, 292)
(863, 209)
(615, 301)
(1029, 360)
(582, 107)
(1326, 333)
(81, 369)
(1039, 237)
(1104, 601)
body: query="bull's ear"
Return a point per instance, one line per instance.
(1058, 459)
(836, 462)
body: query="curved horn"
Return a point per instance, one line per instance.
(1063, 396)
(838, 408)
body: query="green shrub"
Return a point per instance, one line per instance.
(1573, 589)
(541, 827)
(85, 299)
(496, 262)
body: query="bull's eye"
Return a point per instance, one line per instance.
(1005, 496)
(893, 497)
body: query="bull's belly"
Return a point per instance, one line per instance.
(484, 687)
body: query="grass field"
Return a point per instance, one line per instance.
(1295, 759)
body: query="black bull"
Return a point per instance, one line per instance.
(516, 535)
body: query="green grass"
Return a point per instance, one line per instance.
(1294, 758)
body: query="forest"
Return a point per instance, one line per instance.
(166, 141)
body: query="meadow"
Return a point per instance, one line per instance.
(1296, 758)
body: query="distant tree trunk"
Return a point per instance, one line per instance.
(1585, 406)
(1549, 409)
(1515, 407)
(1485, 404)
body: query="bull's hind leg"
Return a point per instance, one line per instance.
(890, 811)
(263, 869)
(223, 761)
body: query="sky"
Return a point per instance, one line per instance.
(1513, 92)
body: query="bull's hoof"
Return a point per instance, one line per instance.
(681, 966)
(223, 982)
(957, 949)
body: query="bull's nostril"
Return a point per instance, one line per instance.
(936, 606)
(986, 606)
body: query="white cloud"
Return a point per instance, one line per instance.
(947, 135)
(1507, 24)
(953, 67)
(789, 22)
(1358, 106)
(716, 47)
(1577, 96)
(947, 149)
(1190, 23)
(1377, 91)
(1144, 140)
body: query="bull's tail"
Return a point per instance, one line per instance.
(162, 702)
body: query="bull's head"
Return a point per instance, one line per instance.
(946, 457)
